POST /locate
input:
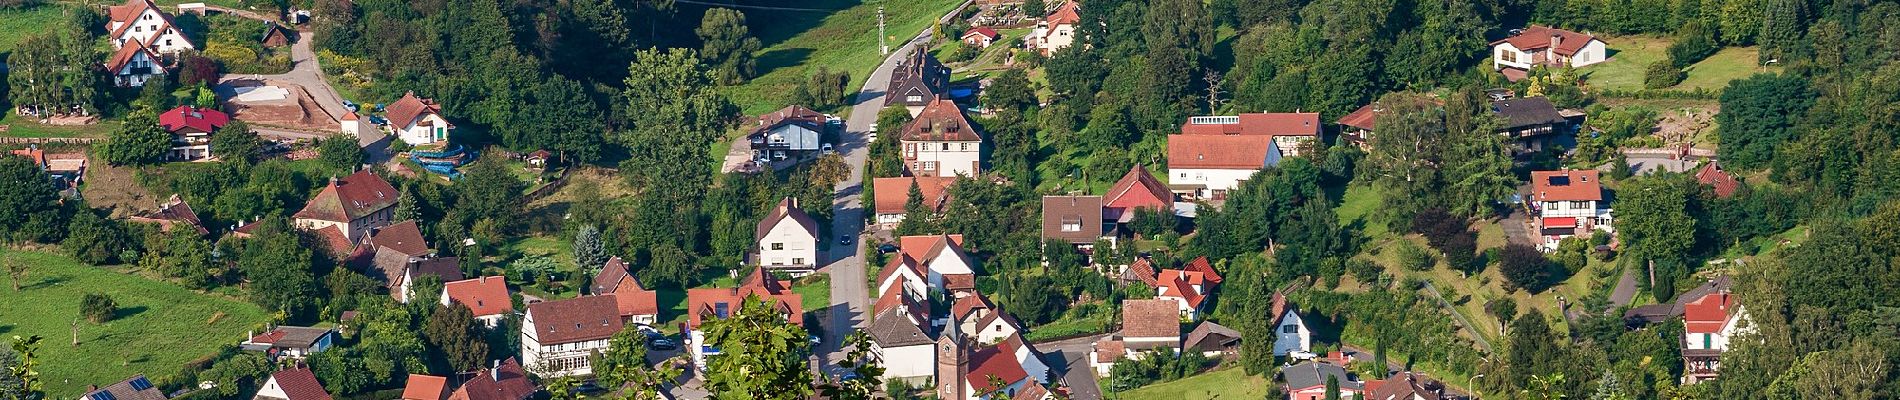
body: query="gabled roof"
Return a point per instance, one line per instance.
(1151, 318)
(899, 264)
(1402, 386)
(1281, 307)
(189, 118)
(350, 198)
(927, 248)
(38, 156)
(173, 211)
(1265, 124)
(940, 121)
(1209, 336)
(299, 384)
(610, 274)
(891, 328)
(993, 361)
(1141, 270)
(126, 14)
(1313, 374)
(574, 320)
(1566, 185)
(1031, 392)
(1365, 117)
(403, 237)
(890, 194)
(983, 31)
(1219, 151)
(1064, 14)
(333, 237)
(631, 297)
(1714, 176)
(485, 296)
(1707, 314)
(407, 109)
(1541, 37)
(292, 337)
(135, 388)
(504, 381)
(1138, 188)
(706, 303)
(128, 52)
(790, 115)
(447, 268)
(786, 211)
(920, 74)
(425, 387)
(1200, 264)
(1527, 112)
(1175, 283)
(1082, 211)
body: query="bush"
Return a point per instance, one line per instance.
(1694, 42)
(1412, 257)
(98, 307)
(1662, 74)
(1524, 267)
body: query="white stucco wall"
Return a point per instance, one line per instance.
(905, 362)
(794, 245)
(961, 158)
(1301, 339)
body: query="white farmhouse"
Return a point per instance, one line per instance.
(1708, 323)
(788, 239)
(1545, 46)
(1055, 31)
(141, 21)
(557, 336)
(418, 121)
(1290, 333)
(1568, 203)
(134, 64)
(1207, 166)
(941, 142)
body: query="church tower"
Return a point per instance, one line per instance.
(952, 366)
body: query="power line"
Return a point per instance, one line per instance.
(753, 7)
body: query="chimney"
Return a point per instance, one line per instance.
(1555, 39)
(494, 372)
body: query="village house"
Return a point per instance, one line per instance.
(1290, 333)
(295, 342)
(1189, 287)
(1212, 340)
(906, 276)
(425, 387)
(1147, 325)
(354, 124)
(941, 142)
(1056, 31)
(1721, 181)
(636, 303)
(191, 128)
(965, 370)
(1208, 166)
(134, 64)
(708, 304)
(1293, 133)
(889, 196)
(275, 35)
(1540, 45)
(396, 255)
(1136, 190)
(1405, 386)
(1307, 381)
(1076, 220)
(1568, 203)
(136, 388)
(981, 37)
(141, 21)
(557, 336)
(1533, 124)
(173, 213)
(792, 132)
(787, 240)
(948, 269)
(901, 333)
(502, 380)
(917, 82)
(348, 209)
(1356, 127)
(486, 297)
(65, 170)
(1709, 321)
(296, 383)
(417, 121)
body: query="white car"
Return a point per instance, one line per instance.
(1302, 355)
(826, 149)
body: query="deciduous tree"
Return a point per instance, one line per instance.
(762, 356)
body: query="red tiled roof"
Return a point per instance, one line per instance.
(574, 320)
(405, 110)
(1200, 264)
(507, 381)
(1714, 176)
(125, 54)
(403, 237)
(38, 156)
(901, 262)
(954, 282)
(940, 121)
(125, 15)
(1176, 283)
(1539, 37)
(350, 197)
(1363, 118)
(204, 120)
(1151, 318)
(981, 30)
(890, 194)
(425, 387)
(1138, 188)
(300, 384)
(333, 237)
(969, 304)
(1219, 151)
(1109, 349)
(993, 361)
(703, 303)
(787, 209)
(1566, 185)
(793, 114)
(1707, 314)
(1064, 14)
(487, 295)
(1267, 124)
(610, 274)
(635, 300)
(894, 298)
(922, 247)
(1143, 270)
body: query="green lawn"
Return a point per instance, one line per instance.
(1357, 206)
(1230, 383)
(1631, 55)
(16, 25)
(26, 127)
(159, 327)
(798, 42)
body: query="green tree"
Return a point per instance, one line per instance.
(98, 307)
(762, 356)
(1524, 267)
(453, 331)
(861, 361)
(673, 115)
(278, 266)
(1332, 387)
(93, 239)
(590, 252)
(728, 45)
(1505, 309)
(1758, 115)
(488, 190)
(21, 379)
(138, 141)
(236, 142)
(28, 196)
(561, 117)
(1654, 223)
(1011, 89)
(340, 152)
(624, 366)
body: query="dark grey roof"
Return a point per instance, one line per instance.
(891, 329)
(1210, 336)
(1653, 313)
(299, 336)
(447, 268)
(136, 388)
(1528, 111)
(1314, 374)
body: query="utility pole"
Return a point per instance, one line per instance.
(883, 48)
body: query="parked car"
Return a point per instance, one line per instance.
(844, 239)
(826, 149)
(887, 248)
(1302, 355)
(662, 344)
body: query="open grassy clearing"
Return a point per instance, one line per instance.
(159, 326)
(797, 42)
(1631, 55)
(16, 25)
(26, 127)
(1228, 383)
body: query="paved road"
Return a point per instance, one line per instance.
(1071, 356)
(1625, 289)
(305, 72)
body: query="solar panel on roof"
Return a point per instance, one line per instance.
(102, 395)
(141, 384)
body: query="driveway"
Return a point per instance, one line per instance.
(1071, 357)
(305, 72)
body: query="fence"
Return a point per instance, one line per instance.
(62, 140)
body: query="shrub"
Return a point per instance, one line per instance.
(1662, 74)
(1524, 267)
(98, 307)
(1694, 42)
(1412, 257)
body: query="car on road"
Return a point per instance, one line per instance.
(844, 239)
(1302, 355)
(662, 344)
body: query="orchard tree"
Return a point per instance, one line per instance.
(236, 142)
(728, 45)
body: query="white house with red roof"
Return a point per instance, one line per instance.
(1189, 287)
(143, 22)
(707, 304)
(981, 37)
(1290, 333)
(941, 142)
(637, 304)
(946, 265)
(1294, 132)
(348, 208)
(1540, 45)
(133, 64)
(1055, 31)
(191, 128)
(787, 239)
(417, 121)
(1708, 323)
(1568, 203)
(487, 297)
(292, 384)
(1137, 189)
(1208, 166)
(558, 336)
